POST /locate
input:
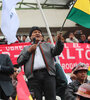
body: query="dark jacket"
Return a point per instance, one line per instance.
(80, 41)
(48, 52)
(61, 81)
(71, 89)
(6, 69)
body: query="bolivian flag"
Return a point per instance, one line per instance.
(80, 13)
(88, 73)
(22, 89)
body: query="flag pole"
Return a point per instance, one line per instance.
(44, 18)
(47, 26)
(66, 17)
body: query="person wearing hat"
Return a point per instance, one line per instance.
(83, 92)
(81, 77)
(38, 60)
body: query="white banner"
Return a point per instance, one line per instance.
(9, 20)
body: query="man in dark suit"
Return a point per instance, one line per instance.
(6, 70)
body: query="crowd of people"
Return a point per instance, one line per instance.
(45, 76)
(76, 36)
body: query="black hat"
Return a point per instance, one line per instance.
(33, 29)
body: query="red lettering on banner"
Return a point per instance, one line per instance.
(72, 54)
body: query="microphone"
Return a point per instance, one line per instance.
(34, 40)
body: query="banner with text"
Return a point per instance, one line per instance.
(72, 54)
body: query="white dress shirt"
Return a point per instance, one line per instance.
(38, 60)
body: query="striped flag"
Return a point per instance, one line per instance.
(9, 20)
(16, 98)
(22, 89)
(80, 13)
(88, 73)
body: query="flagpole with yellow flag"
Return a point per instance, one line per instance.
(80, 13)
(67, 16)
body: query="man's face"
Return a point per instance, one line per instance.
(81, 75)
(71, 35)
(24, 38)
(37, 35)
(83, 37)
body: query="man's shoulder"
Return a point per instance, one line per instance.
(4, 55)
(26, 47)
(46, 43)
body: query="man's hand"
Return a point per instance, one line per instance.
(32, 48)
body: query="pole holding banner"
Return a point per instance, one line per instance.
(67, 16)
(47, 26)
(46, 23)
